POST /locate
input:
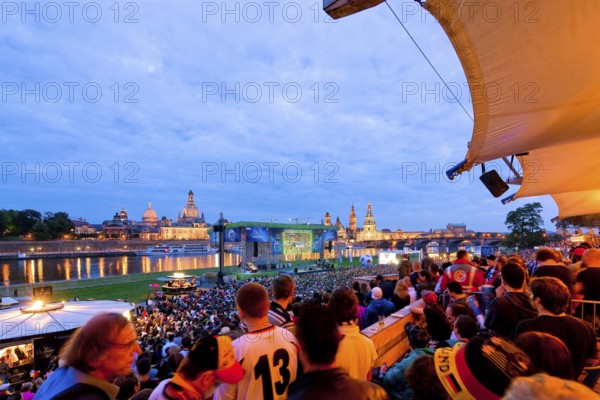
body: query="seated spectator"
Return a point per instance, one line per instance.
(476, 365)
(454, 310)
(378, 306)
(401, 296)
(358, 293)
(356, 353)
(548, 354)
(457, 296)
(422, 379)
(424, 282)
(465, 328)
(394, 381)
(387, 287)
(551, 297)
(369, 294)
(437, 323)
(506, 311)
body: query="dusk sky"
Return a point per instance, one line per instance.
(268, 111)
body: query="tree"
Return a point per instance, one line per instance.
(590, 220)
(58, 224)
(25, 220)
(40, 231)
(526, 227)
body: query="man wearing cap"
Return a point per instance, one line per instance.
(268, 354)
(378, 306)
(482, 369)
(210, 360)
(101, 350)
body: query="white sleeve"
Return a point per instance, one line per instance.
(225, 392)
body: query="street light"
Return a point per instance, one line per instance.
(219, 228)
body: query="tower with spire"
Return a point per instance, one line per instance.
(369, 226)
(327, 219)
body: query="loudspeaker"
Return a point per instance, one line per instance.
(255, 249)
(494, 183)
(330, 245)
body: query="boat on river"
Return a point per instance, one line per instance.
(178, 250)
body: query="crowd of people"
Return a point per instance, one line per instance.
(300, 337)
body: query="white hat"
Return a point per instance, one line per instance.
(376, 293)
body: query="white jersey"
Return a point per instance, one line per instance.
(269, 358)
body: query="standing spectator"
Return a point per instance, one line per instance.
(268, 354)
(283, 293)
(98, 352)
(589, 277)
(461, 271)
(506, 311)
(551, 297)
(405, 267)
(319, 340)
(26, 392)
(549, 263)
(356, 353)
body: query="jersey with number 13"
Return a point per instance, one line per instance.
(270, 360)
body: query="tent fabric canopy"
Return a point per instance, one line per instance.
(16, 324)
(532, 69)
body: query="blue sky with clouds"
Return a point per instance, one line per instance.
(266, 110)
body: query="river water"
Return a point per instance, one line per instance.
(66, 269)
(74, 268)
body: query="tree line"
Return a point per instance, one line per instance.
(31, 223)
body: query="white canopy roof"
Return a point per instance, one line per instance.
(16, 324)
(532, 69)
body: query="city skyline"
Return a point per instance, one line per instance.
(260, 126)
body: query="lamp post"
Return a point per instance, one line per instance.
(220, 229)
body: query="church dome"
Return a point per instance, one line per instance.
(190, 211)
(150, 215)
